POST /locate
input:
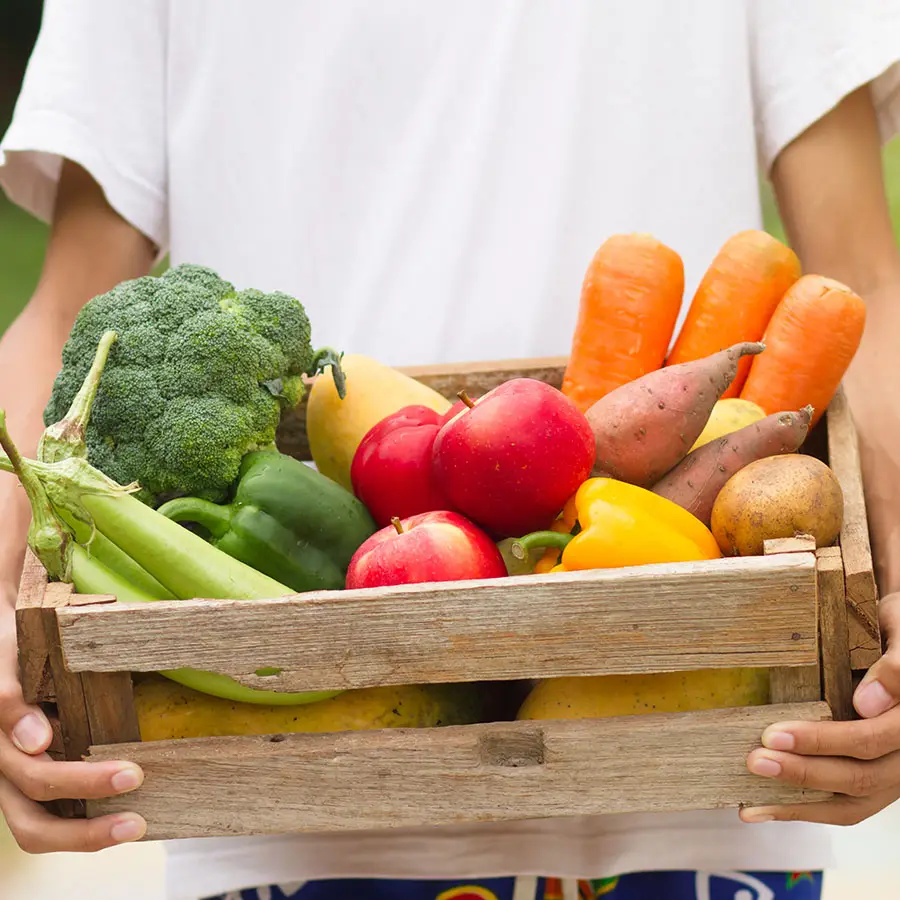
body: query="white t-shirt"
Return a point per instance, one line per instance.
(431, 180)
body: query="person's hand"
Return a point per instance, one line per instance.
(28, 775)
(859, 761)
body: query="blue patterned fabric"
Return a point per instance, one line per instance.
(639, 886)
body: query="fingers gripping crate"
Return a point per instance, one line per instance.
(809, 616)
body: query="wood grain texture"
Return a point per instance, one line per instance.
(476, 378)
(109, 701)
(69, 690)
(732, 612)
(420, 777)
(34, 662)
(801, 543)
(793, 684)
(90, 599)
(859, 574)
(836, 672)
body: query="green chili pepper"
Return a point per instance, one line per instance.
(286, 520)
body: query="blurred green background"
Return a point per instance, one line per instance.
(22, 238)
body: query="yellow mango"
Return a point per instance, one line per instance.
(727, 416)
(336, 427)
(167, 710)
(604, 696)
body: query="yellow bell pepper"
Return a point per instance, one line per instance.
(625, 525)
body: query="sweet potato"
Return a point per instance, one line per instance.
(697, 480)
(646, 427)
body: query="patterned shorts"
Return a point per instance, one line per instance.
(639, 886)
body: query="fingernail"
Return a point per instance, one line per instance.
(872, 699)
(752, 816)
(128, 830)
(778, 740)
(127, 779)
(31, 733)
(762, 765)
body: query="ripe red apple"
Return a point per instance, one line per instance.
(392, 473)
(432, 546)
(512, 459)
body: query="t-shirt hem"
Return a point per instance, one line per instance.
(789, 114)
(208, 869)
(31, 155)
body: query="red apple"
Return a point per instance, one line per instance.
(392, 473)
(432, 546)
(511, 460)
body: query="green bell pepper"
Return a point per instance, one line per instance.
(286, 520)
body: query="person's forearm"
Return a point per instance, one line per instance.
(90, 250)
(831, 195)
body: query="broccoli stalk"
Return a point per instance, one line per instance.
(65, 438)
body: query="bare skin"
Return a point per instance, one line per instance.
(831, 194)
(90, 250)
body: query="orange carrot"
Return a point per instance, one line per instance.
(736, 299)
(630, 300)
(810, 342)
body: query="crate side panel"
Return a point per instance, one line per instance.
(474, 773)
(752, 612)
(859, 574)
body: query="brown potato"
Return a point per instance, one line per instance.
(777, 497)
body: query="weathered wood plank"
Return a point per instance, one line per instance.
(796, 684)
(836, 673)
(476, 378)
(754, 612)
(34, 664)
(801, 543)
(518, 770)
(90, 599)
(793, 684)
(109, 700)
(859, 573)
(69, 691)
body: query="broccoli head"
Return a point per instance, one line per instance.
(198, 377)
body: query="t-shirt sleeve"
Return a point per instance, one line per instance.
(806, 55)
(94, 93)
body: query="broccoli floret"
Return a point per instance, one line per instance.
(198, 376)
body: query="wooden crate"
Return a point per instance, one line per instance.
(809, 616)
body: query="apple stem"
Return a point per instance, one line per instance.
(465, 399)
(397, 524)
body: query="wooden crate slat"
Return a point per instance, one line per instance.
(69, 691)
(835, 647)
(34, 661)
(109, 701)
(793, 684)
(755, 612)
(859, 575)
(421, 777)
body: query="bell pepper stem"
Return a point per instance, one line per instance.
(524, 545)
(214, 518)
